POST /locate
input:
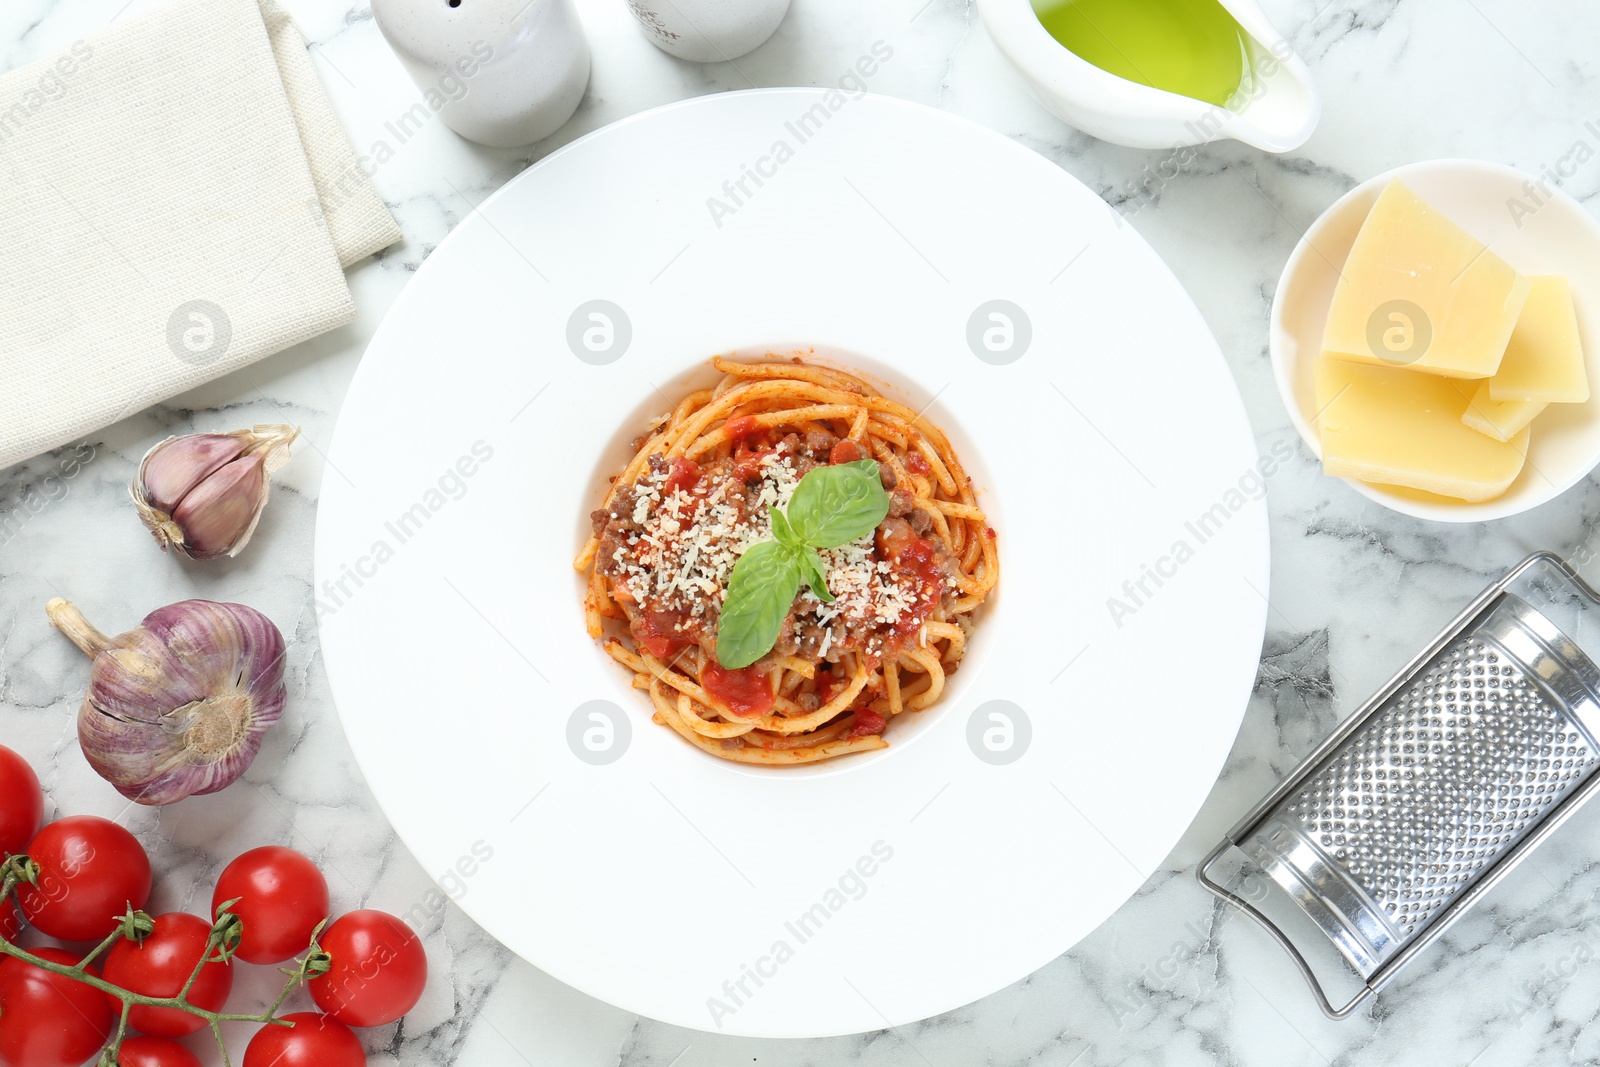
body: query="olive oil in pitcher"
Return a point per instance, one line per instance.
(1194, 48)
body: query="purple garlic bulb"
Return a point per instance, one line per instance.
(178, 706)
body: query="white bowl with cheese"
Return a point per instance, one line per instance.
(1538, 230)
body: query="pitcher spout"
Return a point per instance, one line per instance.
(1277, 105)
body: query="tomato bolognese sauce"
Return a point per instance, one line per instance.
(700, 491)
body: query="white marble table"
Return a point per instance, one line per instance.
(1170, 979)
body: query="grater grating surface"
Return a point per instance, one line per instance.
(1442, 781)
(1432, 791)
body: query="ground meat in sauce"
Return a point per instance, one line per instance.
(820, 442)
(893, 535)
(804, 460)
(788, 642)
(620, 510)
(809, 639)
(802, 636)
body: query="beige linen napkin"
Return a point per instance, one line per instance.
(177, 201)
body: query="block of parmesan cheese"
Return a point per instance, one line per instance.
(1544, 359)
(1396, 427)
(1500, 419)
(1419, 291)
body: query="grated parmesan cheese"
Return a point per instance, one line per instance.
(689, 542)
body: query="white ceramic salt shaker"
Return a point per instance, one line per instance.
(503, 73)
(707, 31)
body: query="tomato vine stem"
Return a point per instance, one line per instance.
(221, 945)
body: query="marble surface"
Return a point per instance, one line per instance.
(1171, 978)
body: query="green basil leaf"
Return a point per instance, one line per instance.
(815, 573)
(761, 590)
(781, 530)
(833, 506)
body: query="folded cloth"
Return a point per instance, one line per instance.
(177, 201)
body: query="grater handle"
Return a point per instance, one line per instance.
(1203, 875)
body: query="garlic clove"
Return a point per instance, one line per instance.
(218, 515)
(179, 706)
(178, 464)
(203, 494)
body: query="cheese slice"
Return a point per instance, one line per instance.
(1544, 359)
(1419, 291)
(1397, 427)
(1500, 419)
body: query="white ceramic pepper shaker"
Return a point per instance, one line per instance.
(503, 73)
(708, 31)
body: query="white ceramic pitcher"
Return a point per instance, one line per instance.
(1276, 109)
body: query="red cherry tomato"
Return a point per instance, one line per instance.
(685, 474)
(282, 897)
(155, 1052)
(160, 966)
(846, 451)
(868, 722)
(21, 802)
(378, 969)
(314, 1041)
(90, 871)
(47, 1020)
(745, 691)
(10, 925)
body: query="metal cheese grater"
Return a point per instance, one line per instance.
(1435, 788)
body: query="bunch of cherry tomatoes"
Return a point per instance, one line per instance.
(92, 872)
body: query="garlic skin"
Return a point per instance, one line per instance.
(177, 707)
(203, 493)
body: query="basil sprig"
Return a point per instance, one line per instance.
(831, 506)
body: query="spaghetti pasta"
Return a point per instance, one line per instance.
(698, 493)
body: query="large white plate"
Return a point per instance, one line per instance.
(1114, 450)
